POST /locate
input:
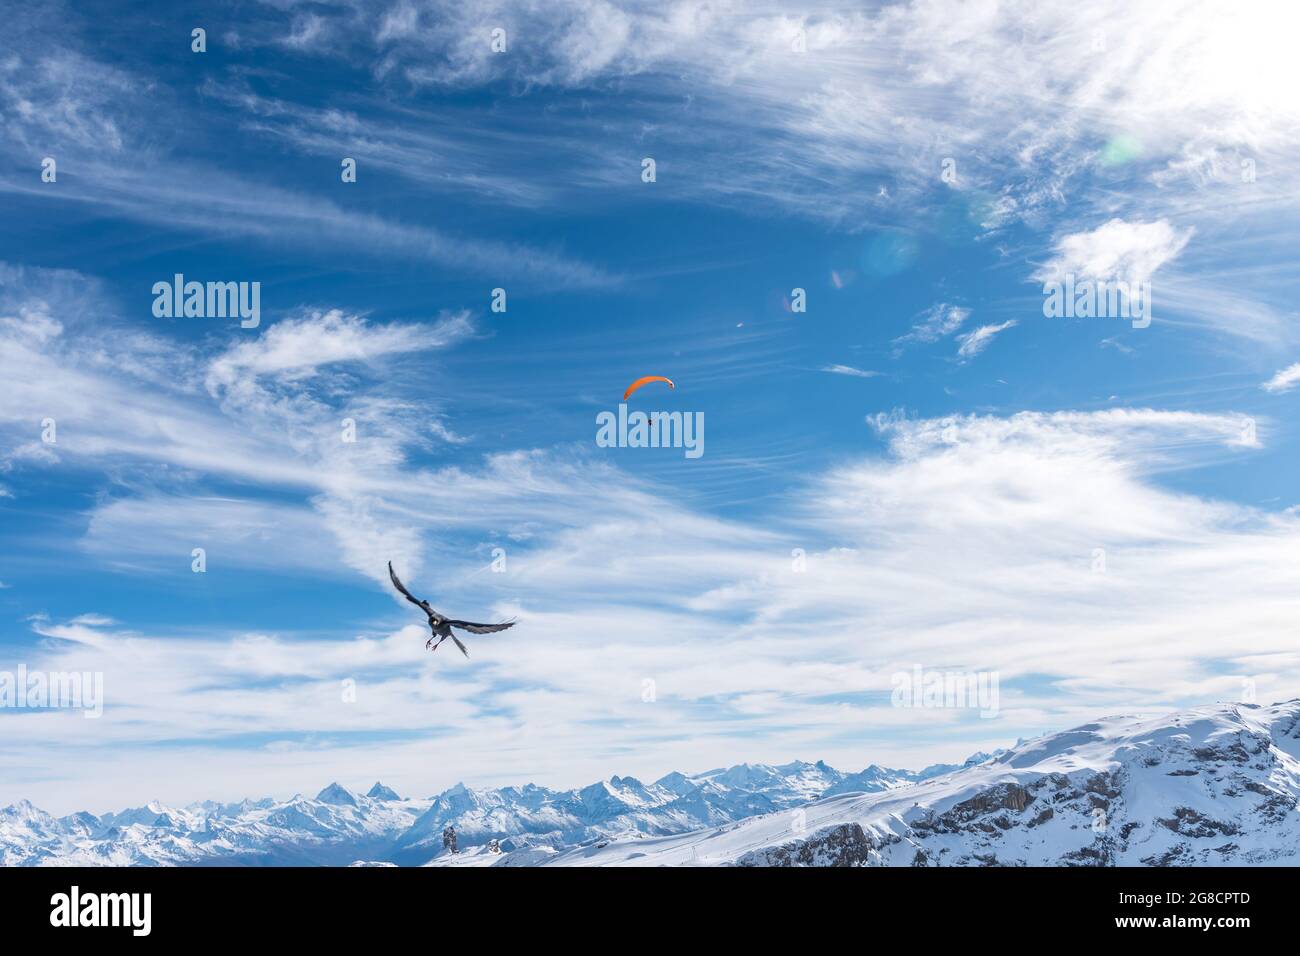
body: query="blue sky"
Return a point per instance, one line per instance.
(948, 459)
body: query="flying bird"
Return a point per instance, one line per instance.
(441, 626)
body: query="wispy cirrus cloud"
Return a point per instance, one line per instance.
(88, 115)
(935, 323)
(976, 341)
(949, 79)
(850, 371)
(446, 150)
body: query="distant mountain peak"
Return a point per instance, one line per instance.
(380, 792)
(337, 795)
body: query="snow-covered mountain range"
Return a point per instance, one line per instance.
(1217, 784)
(338, 826)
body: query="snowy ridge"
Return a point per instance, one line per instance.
(1216, 784)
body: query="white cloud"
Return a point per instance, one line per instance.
(849, 370)
(297, 347)
(1284, 380)
(1116, 251)
(48, 101)
(934, 323)
(308, 31)
(93, 620)
(976, 341)
(270, 418)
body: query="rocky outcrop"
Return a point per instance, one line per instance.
(844, 845)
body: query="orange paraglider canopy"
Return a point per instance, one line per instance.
(646, 380)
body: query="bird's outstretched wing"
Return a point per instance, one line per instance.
(397, 583)
(460, 645)
(480, 628)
